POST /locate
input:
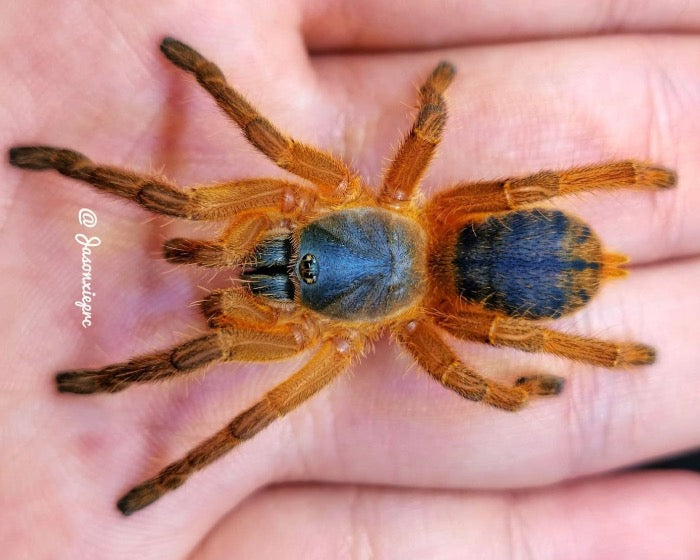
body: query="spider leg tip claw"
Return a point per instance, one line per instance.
(29, 157)
(636, 355)
(179, 53)
(79, 382)
(44, 157)
(138, 498)
(544, 385)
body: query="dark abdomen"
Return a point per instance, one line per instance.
(530, 263)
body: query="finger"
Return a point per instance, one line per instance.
(631, 517)
(514, 111)
(344, 24)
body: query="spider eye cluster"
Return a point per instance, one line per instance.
(308, 269)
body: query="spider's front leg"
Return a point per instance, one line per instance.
(422, 339)
(335, 181)
(331, 359)
(499, 330)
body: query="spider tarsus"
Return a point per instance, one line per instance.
(42, 157)
(180, 250)
(81, 382)
(658, 177)
(542, 385)
(180, 54)
(211, 308)
(635, 355)
(443, 74)
(138, 498)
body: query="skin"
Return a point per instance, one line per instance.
(385, 463)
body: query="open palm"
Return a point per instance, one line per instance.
(416, 471)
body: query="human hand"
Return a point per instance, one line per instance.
(416, 471)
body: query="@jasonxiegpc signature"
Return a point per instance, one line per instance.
(88, 219)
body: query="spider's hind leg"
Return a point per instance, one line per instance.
(516, 192)
(528, 336)
(437, 358)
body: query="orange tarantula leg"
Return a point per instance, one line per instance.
(531, 337)
(436, 357)
(215, 202)
(224, 345)
(509, 194)
(231, 249)
(235, 307)
(418, 147)
(335, 181)
(328, 362)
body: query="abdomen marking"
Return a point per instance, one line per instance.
(531, 263)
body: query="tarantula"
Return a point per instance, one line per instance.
(329, 264)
